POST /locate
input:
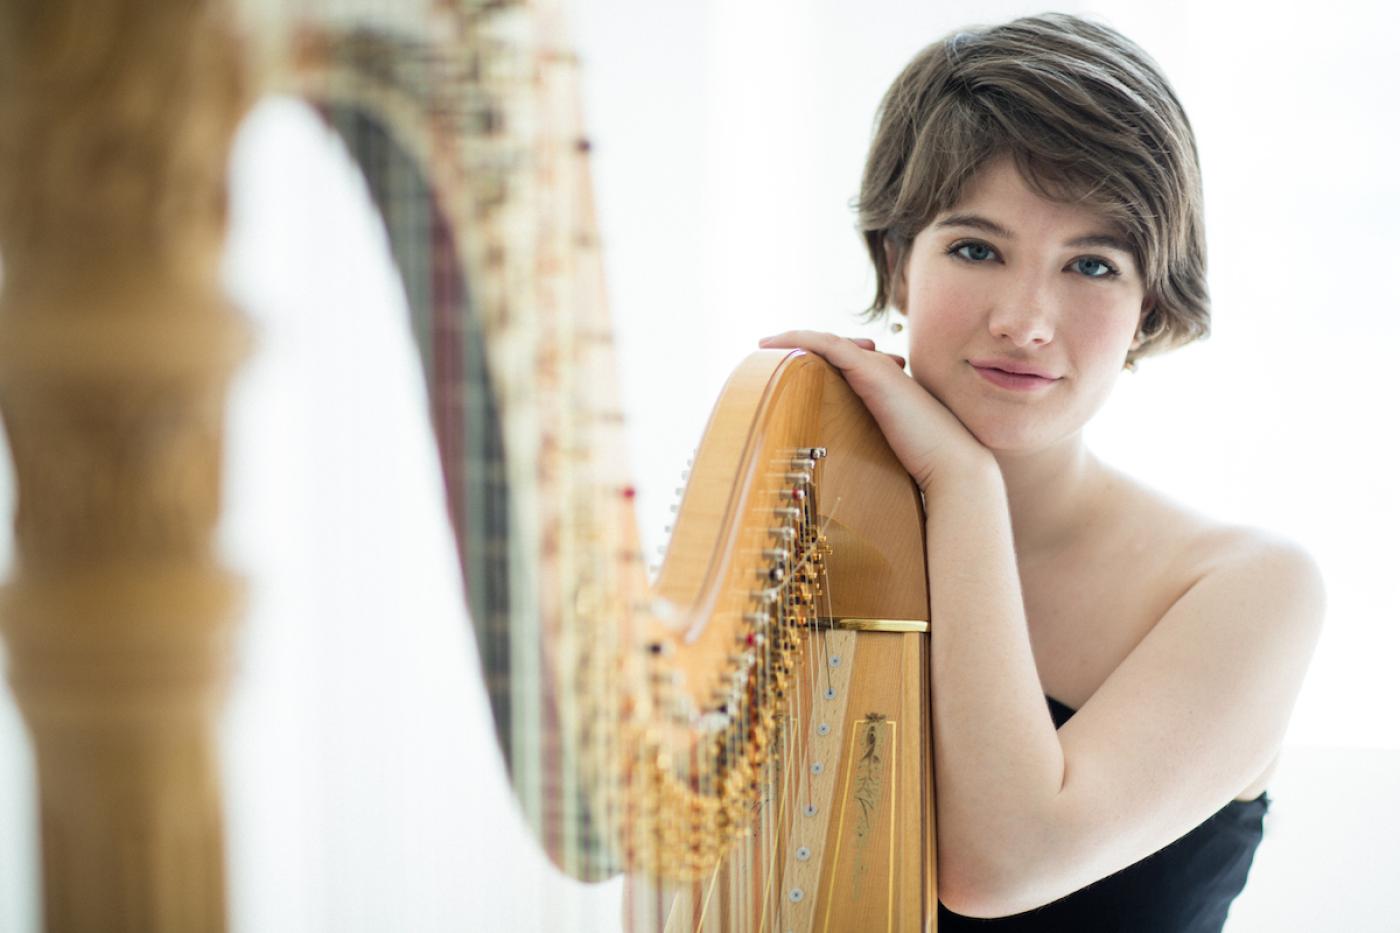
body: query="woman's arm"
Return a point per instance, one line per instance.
(1192, 716)
(998, 762)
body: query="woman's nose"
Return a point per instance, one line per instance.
(1025, 319)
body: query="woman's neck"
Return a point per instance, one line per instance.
(1053, 495)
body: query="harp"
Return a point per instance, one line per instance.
(797, 689)
(746, 736)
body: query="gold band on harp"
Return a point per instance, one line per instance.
(881, 625)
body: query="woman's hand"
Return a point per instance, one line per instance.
(926, 437)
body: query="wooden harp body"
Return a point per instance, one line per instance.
(793, 600)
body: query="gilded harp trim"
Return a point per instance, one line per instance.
(880, 625)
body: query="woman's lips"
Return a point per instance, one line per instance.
(1023, 382)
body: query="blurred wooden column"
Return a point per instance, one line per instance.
(116, 349)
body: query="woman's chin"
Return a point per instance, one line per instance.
(1012, 440)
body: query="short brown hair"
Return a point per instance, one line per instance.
(1086, 115)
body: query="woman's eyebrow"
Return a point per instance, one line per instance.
(1106, 240)
(978, 222)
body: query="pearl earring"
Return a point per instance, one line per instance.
(896, 327)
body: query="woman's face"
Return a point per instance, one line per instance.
(1021, 311)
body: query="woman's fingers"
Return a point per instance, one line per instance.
(809, 338)
(923, 433)
(788, 337)
(841, 352)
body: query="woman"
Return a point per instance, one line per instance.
(1032, 205)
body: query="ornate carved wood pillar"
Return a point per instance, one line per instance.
(116, 349)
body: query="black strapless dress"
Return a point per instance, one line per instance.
(1186, 887)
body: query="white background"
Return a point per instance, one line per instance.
(728, 140)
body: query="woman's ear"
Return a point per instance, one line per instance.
(1148, 303)
(895, 275)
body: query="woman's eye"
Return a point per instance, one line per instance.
(1088, 265)
(973, 252)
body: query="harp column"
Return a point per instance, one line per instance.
(116, 350)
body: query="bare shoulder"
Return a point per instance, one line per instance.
(1192, 547)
